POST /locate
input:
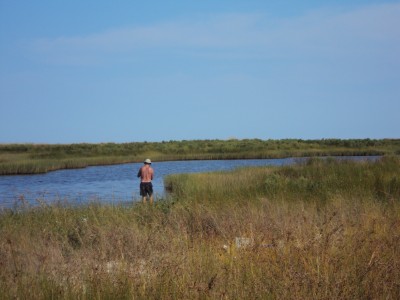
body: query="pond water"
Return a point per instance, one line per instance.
(115, 183)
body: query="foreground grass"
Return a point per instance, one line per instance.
(41, 158)
(322, 230)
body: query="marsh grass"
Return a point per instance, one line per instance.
(319, 230)
(17, 165)
(41, 158)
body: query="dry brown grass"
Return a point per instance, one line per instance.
(347, 247)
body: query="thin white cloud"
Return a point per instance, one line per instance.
(217, 31)
(371, 29)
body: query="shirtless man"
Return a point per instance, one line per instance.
(146, 174)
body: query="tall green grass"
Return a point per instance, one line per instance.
(316, 179)
(40, 158)
(35, 166)
(319, 230)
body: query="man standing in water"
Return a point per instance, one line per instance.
(146, 174)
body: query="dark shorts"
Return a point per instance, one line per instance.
(146, 188)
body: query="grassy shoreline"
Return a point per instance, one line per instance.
(322, 229)
(32, 158)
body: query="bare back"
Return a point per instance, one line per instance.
(146, 173)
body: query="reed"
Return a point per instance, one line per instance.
(318, 230)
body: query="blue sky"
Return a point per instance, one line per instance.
(123, 71)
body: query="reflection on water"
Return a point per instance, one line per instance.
(116, 183)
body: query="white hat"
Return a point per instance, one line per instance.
(147, 161)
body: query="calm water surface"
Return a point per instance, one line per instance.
(116, 183)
